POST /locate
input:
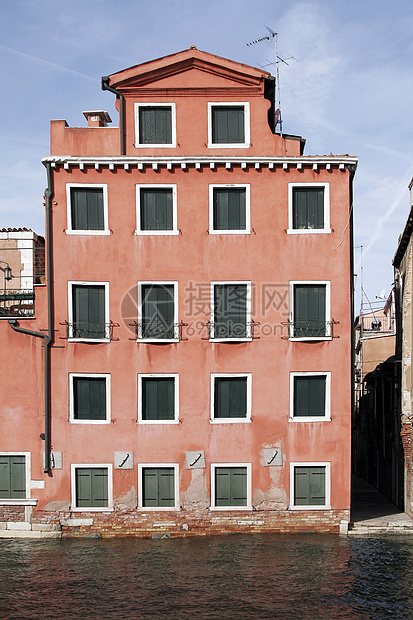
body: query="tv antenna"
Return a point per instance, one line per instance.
(272, 39)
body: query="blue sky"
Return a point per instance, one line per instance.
(350, 91)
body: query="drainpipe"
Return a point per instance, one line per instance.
(106, 86)
(353, 351)
(47, 336)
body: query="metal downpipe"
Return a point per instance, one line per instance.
(106, 86)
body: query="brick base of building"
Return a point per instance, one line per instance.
(407, 441)
(15, 514)
(172, 524)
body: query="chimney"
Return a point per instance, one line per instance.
(97, 118)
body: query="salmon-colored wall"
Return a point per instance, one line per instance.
(268, 257)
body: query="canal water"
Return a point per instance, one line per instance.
(309, 577)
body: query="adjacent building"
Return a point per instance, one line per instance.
(403, 263)
(377, 448)
(190, 364)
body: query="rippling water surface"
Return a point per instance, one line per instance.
(259, 576)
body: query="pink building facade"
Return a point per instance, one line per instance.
(195, 326)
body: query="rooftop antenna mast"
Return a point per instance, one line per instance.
(271, 39)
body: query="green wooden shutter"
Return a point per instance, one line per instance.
(231, 486)
(309, 486)
(309, 396)
(88, 311)
(309, 310)
(228, 124)
(87, 208)
(158, 398)
(230, 399)
(158, 488)
(91, 487)
(158, 311)
(89, 395)
(155, 125)
(156, 209)
(166, 487)
(229, 206)
(230, 310)
(12, 477)
(308, 207)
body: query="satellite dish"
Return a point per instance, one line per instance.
(277, 117)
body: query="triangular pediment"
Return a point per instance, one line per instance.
(188, 69)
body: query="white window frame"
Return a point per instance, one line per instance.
(20, 501)
(143, 508)
(327, 410)
(165, 375)
(237, 145)
(70, 285)
(84, 375)
(174, 230)
(248, 338)
(213, 506)
(309, 231)
(327, 466)
(327, 284)
(140, 300)
(173, 123)
(247, 418)
(247, 230)
(73, 468)
(69, 229)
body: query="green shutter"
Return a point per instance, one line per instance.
(230, 398)
(88, 311)
(231, 486)
(158, 398)
(309, 310)
(156, 209)
(229, 206)
(309, 486)
(87, 208)
(89, 396)
(230, 310)
(158, 487)
(155, 125)
(12, 477)
(309, 396)
(228, 124)
(308, 208)
(158, 311)
(91, 487)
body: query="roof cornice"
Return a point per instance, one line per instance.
(316, 162)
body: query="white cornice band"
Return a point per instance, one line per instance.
(342, 162)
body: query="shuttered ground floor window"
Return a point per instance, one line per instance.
(310, 485)
(12, 476)
(231, 486)
(158, 487)
(91, 487)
